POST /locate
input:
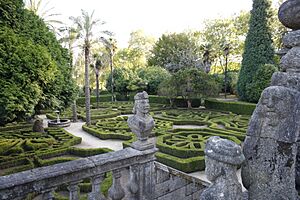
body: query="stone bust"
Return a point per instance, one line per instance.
(141, 123)
(222, 157)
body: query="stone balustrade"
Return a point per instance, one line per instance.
(45, 180)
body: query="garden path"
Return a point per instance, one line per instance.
(88, 141)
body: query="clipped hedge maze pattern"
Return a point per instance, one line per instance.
(22, 148)
(117, 128)
(183, 148)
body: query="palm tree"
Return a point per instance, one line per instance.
(98, 66)
(110, 45)
(42, 9)
(86, 24)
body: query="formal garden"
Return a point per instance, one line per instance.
(200, 84)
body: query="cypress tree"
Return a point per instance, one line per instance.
(258, 49)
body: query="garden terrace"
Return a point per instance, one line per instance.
(46, 179)
(181, 148)
(21, 149)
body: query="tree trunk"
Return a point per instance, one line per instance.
(74, 111)
(97, 90)
(112, 77)
(189, 103)
(87, 85)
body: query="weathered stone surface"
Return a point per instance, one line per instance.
(288, 80)
(222, 158)
(141, 123)
(38, 126)
(289, 14)
(290, 62)
(270, 146)
(291, 39)
(16, 186)
(269, 169)
(173, 184)
(276, 115)
(298, 166)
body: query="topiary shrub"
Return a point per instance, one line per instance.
(258, 48)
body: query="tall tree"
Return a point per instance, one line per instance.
(258, 47)
(138, 51)
(34, 68)
(110, 45)
(86, 24)
(219, 33)
(176, 51)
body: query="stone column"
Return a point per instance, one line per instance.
(270, 147)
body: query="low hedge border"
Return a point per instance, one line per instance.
(104, 135)
(186, 165)
(235, 107)
(95, 117)
(88, 152)
(93, 99)
(15, 127)
(182, 152)
(178, 102)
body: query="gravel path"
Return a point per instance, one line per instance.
(88, 141)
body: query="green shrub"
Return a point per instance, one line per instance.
(88, 152)
(107, 134)
(56, 160)
(186, 165)
(261, 80)
(103, 98)
(235, 107)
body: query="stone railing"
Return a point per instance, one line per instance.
(44, 180)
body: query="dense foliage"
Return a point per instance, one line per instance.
(153, 76)
(189, 83)
(34, 69)
(225, 32)
(125, 81)
(176, 51)
(261, 80)
(258, 48)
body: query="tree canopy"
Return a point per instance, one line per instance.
(34, 68)
(176, 51)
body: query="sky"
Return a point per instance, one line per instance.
(155, 17)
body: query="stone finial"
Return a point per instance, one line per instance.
(222, 157)
(141, 123)
(289, 14)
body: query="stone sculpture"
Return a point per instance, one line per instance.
(141, 123)
(270, 146)
(38, 126)
(222, 157)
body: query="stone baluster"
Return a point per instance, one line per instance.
(48, 194)
(74, 191)
(96, 192)
(133, 186)
(116, 192)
